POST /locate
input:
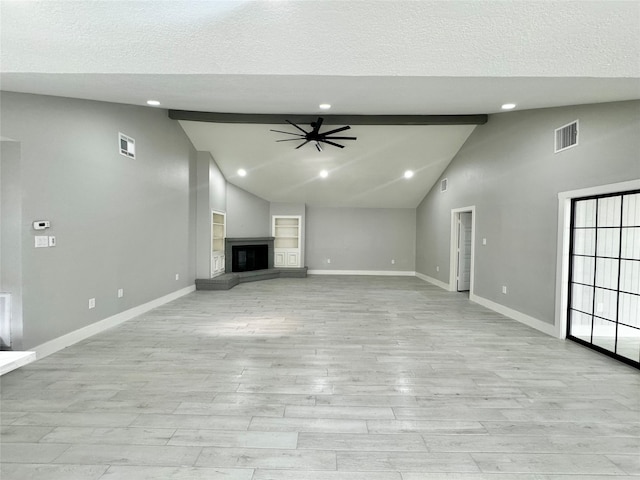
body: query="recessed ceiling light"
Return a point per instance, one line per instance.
(242, 172)
(324, 173)
(508, 106)
(324, 106)
(154, 103)
(408, 174)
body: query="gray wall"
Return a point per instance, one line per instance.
(247, 214)
(508, 170)
(278, 208)
(361, 238)
(119, 222)
(11, 241)
(211, 195)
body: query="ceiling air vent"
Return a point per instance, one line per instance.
(566, 136)
(444, 184)
(126, 145)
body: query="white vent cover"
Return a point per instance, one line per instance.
(126, 145)
(566, 136)
(444, 184)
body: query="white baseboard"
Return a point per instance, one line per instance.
(10, 360)
(388, 273)
(436, 282)
(76, 336)
(532, 322)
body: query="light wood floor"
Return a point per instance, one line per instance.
(354, 378)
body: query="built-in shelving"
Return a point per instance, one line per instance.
(218, 227)
(287, 240)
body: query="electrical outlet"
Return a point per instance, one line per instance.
(120, 293)
(393, 262)
(484, 241)
(52, 241)
(504, 289)
(328, 260)
(437, 268)
(177, 276)
(92, 303)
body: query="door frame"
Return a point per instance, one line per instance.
(453, 252)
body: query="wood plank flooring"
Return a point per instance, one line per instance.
(323, 378)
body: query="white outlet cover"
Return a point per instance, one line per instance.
(177, 276)
(120, 293)
(52, 241)
(92, 303)
(484, 241)
(42, 241)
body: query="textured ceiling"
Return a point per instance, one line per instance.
(371, 38)
(362, 56)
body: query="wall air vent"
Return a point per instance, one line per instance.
(566, 136)
(126, 145)
(444, 184)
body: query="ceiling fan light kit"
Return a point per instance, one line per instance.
(314, 135)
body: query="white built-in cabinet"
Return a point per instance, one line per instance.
(287, 233)
(218, 233)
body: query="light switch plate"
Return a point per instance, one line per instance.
(52, 241)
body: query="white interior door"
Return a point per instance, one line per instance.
(464, 251)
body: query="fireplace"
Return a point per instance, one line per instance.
(247, 254)
(245, 258)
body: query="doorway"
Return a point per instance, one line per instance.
(462, 249)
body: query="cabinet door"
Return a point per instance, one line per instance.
(293, 259)
(217, 264)
(279, 259)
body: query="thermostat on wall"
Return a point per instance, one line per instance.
(41, 224)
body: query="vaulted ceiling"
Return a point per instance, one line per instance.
(363, 57)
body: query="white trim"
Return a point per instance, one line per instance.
(11, 360)
(363, 272)
(432, 280)
(564, 234)
(453, 251)
(76, 336)
(532, 322)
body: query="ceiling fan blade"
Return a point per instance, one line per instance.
(342, 138)
(318, 146)
(302, 144)
(288, 133)
(331, 143)
(290, 140)
(291, 123)
(316, 126)
(341, 129)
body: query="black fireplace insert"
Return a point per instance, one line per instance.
(246, 258)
